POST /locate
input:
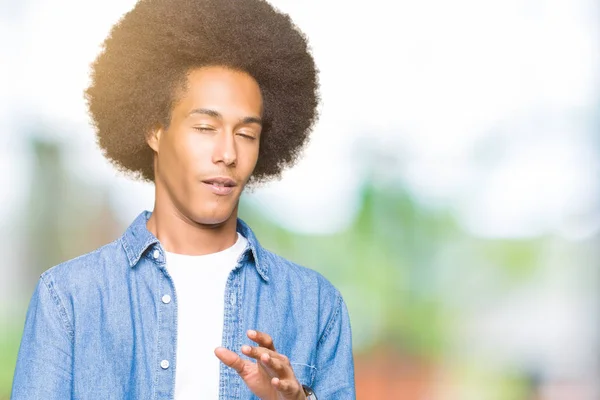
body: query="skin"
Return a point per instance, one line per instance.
(214, 131)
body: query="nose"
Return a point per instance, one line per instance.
(224, 150)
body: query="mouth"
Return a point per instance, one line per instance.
(220, 185)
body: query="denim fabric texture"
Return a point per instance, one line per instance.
(96, 327)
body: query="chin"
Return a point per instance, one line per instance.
(212, 217)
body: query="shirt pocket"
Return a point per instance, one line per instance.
(304, 373)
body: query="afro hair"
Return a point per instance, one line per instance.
(146, 57)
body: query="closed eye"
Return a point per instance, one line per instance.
(246, 136)
(204, 129)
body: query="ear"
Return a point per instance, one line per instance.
(153, 138)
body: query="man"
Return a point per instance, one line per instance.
(202, 98)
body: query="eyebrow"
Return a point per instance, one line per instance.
(216, 114)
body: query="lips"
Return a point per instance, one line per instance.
(220, 185)
(220, 181)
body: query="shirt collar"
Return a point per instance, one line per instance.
(137, 239)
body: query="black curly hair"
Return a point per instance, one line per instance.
(145, 60)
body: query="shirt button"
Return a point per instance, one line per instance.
(164, 364)
(156, 254)
(166, 299)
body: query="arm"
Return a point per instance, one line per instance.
(335, 365)
(44, 362)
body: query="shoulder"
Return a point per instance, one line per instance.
(281, 271)
(300, 279)
(308, 293)
(84, 269)
(279, 265)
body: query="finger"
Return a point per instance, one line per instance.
(255, 351)
(279, 367)
(263, 339)
(266, 362)
(275, 364)
(288, 387)
(263, 357)
(230, 359)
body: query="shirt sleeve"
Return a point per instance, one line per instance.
(335, 366)
(43, 369)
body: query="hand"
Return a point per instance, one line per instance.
(271, 377)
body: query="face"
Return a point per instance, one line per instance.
(206, 156)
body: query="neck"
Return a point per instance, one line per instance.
(182, 235)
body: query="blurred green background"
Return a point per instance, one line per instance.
(451, 190)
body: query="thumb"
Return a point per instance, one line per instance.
(230, 359)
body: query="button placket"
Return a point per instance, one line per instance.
(167, 330)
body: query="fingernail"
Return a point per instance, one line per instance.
(251, 333)
(245, 348)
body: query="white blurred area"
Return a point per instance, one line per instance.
(488, 108)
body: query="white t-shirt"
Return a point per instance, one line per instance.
(200, 288)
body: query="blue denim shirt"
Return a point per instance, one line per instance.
(96, 327)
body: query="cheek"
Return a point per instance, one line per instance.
(175, 160)
(251, 159)
(192, 150)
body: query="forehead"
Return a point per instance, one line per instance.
(227, 91)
